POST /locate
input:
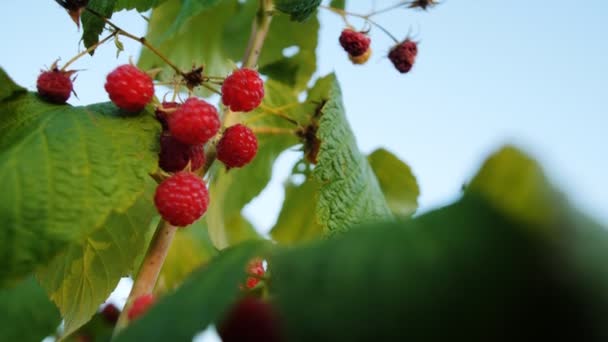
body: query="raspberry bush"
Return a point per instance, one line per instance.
(153, 183)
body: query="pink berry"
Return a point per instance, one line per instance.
(237, 147)
(140, 306)
(174, 155)
(403, 55)
(255, 267)
(55, 85)
(181, 199)
(194, 122)
(129, 88)
(355, 43)
(243, 90)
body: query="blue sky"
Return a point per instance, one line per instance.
(488, 72)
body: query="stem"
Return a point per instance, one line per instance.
(390, 8)
(213, 90)
(91, 48)
(365, 17)
(149, 270)
(259, 31)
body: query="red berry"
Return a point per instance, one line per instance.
(140, 306)
(163, 112)
(194, 122)
(255, 267)
(110, 312)
(175, 155)
(353, 42)
(129, 88)
(403, 55)
(237, 147)
(55, 86)
(182, 199)
(243, 91)
(251, 319)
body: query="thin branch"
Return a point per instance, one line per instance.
(91, 48)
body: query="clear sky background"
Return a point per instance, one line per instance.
(532, 73)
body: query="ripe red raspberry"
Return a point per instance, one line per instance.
(243, 91)
(403, 55)
(163, 112)
(251, 319)
(194, 122)
(140, 306)
(129, 88)
(237, 147)
(55, 85)
(255, 267)
(353, 42)
(110, 313)
(182, 199)
(175, 155)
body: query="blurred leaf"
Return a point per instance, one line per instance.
(465, 268)
(349, 192)
(8, 87)
(140, 5)
(189, 9)
(299, 10)
(98, 329)
(397, 182)
(201, 300)
(63, 171)
(81, 278)
(338, 4)
(92, 25)
(26, 313)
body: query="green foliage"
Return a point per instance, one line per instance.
(8, 87)
(140, 5)
(92, 25)
(397, 182)
(80, 278)
(349, 193)
(27, 314)
(63, 171)
(341, 4)
(299, 10)
(201, 300)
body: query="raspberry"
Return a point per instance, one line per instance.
(129, 88)
(55, 85)
(353, 42)
(110, 312)
(163, 111)
(237, 147)
(243, 91)
(194, 122)
(140, 306)
(403, 55)
(251, 319)
(182, 199)
(175, 155)
(361, 59)
(255, 267)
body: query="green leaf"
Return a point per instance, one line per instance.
(26, 313)
(201, 300)
(338, 4)
(92, 25)
(349, 193)
(299, 10)
(140, 5)
(460, 268)
(397, 182)
(216, 36)
(82, 277)
(191, 248)
(97, 329)
(8, 87)
(63, 171)
(189, 9)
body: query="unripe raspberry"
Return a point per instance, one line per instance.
(194, 122)
(175, 155)
(110, 312)
(163, 112)
(361, 59)
(237, 147)
(255, 267)
(55, 85)
(251, 319)
(129, 88)
(243, 90)
(181, 199)
(140, 306)
(353, 42)
(403, 55)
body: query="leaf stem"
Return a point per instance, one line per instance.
(91, 48)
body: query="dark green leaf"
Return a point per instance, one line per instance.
(81, 278)
(8, 88)
(201, 300)
(299, 10)
(63, 171)
(26, 313)
(397, 182)
(92, 25)
(189, 9)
